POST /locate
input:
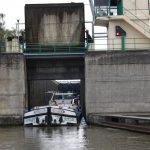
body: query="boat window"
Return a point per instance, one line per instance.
(57, 97)
(68, 96)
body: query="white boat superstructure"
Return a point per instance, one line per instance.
(63, 109)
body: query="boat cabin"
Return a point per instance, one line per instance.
(64, 98)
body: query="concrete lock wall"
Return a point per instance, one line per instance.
(12, 88)
(117, 82)
(54, 23)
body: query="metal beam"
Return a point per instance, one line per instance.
(92, 8)
(53, 55)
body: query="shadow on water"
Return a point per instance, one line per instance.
(71, 138)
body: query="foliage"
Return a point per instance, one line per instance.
(2, 26)
(10, 33)
(4, 33)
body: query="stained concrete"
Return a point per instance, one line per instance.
(12, 88)
(117, 83)
(48, 24)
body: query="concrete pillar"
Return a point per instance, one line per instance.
(12, 88)
(8, 46)
(15, 45)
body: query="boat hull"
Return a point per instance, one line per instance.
(52, 116)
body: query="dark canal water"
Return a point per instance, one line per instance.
(71, 138)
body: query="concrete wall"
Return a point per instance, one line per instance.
(12, 46)
(137, 7)
(117, 82)
(51, 23)
(12, 88)
(64, 68)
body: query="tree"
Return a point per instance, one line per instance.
(11, 32)
(2, 26)
(2, 22)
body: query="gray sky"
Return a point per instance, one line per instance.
(14, 9)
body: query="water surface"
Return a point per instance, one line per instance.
(71, 138)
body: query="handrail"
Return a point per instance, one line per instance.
(92, 8)
(115, 44)
(105, 11)
(135, 16)
(137, 8)
(100, 44)
(55, 47)
(46, 47)
(145, 24)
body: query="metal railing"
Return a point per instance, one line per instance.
(101, 11)
(55, 47)
(138, 9)
(136, 20)
(58, 47)
(100, 44)
(116, 44)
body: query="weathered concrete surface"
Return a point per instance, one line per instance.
(117, 83)
(54, 23)
(12, 88)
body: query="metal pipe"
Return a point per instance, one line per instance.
(92, 8)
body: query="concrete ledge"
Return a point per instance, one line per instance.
(95, 118)
(12, 88)
(118, 57)
(132, 123)
(11, 120)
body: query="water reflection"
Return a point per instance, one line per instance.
(71, 138)
(57, 137)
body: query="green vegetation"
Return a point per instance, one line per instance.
(4, 33)
(2, 26)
